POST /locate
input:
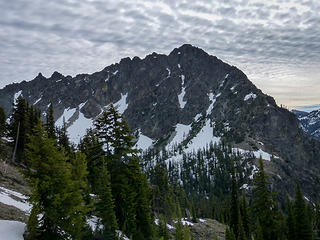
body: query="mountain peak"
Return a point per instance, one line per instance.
(56, 75)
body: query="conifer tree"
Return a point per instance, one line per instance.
(105, 205)
(259, 232)
(50, 127)
(317, 220)
(263, 204)
(129, 185)
(163, 229)
(244, 214)
(230, 234)
(55, 194)
(290, 221)
(2, 122)
(303, 228)
(19, 128)
(181, 232)
(234, 209)
(63, 139)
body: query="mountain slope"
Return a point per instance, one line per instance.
(188, 98)
(310, 122)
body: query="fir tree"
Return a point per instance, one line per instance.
(63, 139)
(234, 209)
(303, 228)
(105, 205)
(163, 229)
(244, 214)
(3, 118)
(55, 194)
(19, 128)
(129, 185)
(263, 204)
(290, 223)
(50, 127)
(230, 234)
(317, 220)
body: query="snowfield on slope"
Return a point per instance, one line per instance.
(11, 230)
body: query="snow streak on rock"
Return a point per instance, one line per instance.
(249, 96)
(183, 92)
(122, 105)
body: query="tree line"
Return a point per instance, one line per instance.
(104, 188)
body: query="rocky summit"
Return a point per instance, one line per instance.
(187, 98)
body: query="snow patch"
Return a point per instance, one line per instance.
(170, 227)
(183, 92)
(244, 186)
(169, 72)
(249, 96)
(212, 102)
(184, 221)
(79, 128)
(259, 153)
(22, 205)
(122, 105)
(196, 118)
(182, 132)
(115, 72)
(202, 220)
(179, 66)
(203, 138)
(94, 223)
(67, 114)
(16, 95)
(38, 100)
(11, 230)
(144, 142)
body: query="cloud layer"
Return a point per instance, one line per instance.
(276, 42)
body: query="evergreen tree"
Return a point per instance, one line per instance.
(55, 195)
(129, 185)
(259, 232)
(317, 220)
(290, 221)
(63, 139)
(244, 214)
(105, 205)
(181, 232)
(163, 229)
(303, 229)
(263, 204)
(50, 127)
(19, 128)
(3, 118)
(230, 234)
(92, 148)
(234, 209)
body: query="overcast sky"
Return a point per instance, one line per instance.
(275, 42)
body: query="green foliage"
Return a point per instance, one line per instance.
(105, 205)
(55, 191)
(163, 231)
(50, 127)
(181, 232)
(230, 234)
(263, 204)
(129, 185)
(3, 125)
(245, 215)
(303, 228)
(234, 209)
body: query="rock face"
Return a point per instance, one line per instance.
(160, 94)
(310, 122)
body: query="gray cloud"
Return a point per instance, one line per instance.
(281, 38)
